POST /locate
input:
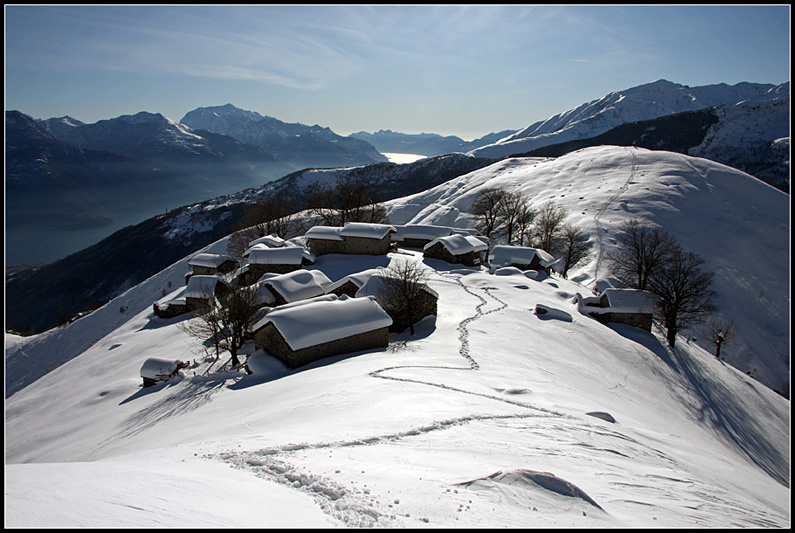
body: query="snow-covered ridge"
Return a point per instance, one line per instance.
(737, 223)
(636, 104)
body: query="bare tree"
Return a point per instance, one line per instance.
(400, 290)
(720, 332)
(487, 210)
(515, 214)
(548, 227)
(575, 247)
(642, 250)
(684, 291)
(347, 201)
(225, 325)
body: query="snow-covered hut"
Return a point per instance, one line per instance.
(201, 288)
(261, 259)
(157, 369)
(211, 264)
(296, 285)
(350, 284)
(170, 308)
(300, 334)
(352, 238)
(521, 257)
(271, 241)
(418, 235)
(425, 302)
(625, 306)
(458, 249)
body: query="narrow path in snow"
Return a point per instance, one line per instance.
(464, 351)
(600, 230)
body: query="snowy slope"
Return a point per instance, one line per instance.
(481, 420)
(490, 416)
(643, 102)
(736, 223)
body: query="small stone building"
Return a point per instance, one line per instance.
(295, 286)
(457, 249)
(425, 303)
(212, 264)
(201, 288)
(521, 257)
(354, 238)
(300, 334)
(418, 235)
(625, 306)
(170, 308)
(261, 259)
(155, 370)
(350, 285)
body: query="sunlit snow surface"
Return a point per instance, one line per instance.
(489, 416)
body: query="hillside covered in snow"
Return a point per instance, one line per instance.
(491, 415)
(653, 100)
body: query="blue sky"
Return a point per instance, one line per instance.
(463, 70)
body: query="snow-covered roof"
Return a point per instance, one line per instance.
(299, 284)
(420, 231)
(325, 321)
(350, 229)
(372, 286)
(502, 255)
(260, 254)
(367, 231)
(158, 368)
(460, 244)
(357, 278)
(325, 233)
(271, 241)
(199, 286)
(629, 301)
(209, 260)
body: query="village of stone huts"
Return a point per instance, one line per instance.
(304, 316)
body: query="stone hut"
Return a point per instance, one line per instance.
(625, 306)
(170, 308)
(353, 238)
(300, 334)
(426, 303)
(261, 259)
(350, 285)
(457, 249)
(521, 257)
(271, 241)
(212, 264)
(418, 235)
(155, 370)
(295, 286)
(201, 288)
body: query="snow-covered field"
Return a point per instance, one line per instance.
(489, 416)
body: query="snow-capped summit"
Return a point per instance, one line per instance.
(644, 102)
(301, 145)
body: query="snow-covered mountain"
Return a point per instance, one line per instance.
(636, 104)
(60, 126)
(300, 145)
(492, 415)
